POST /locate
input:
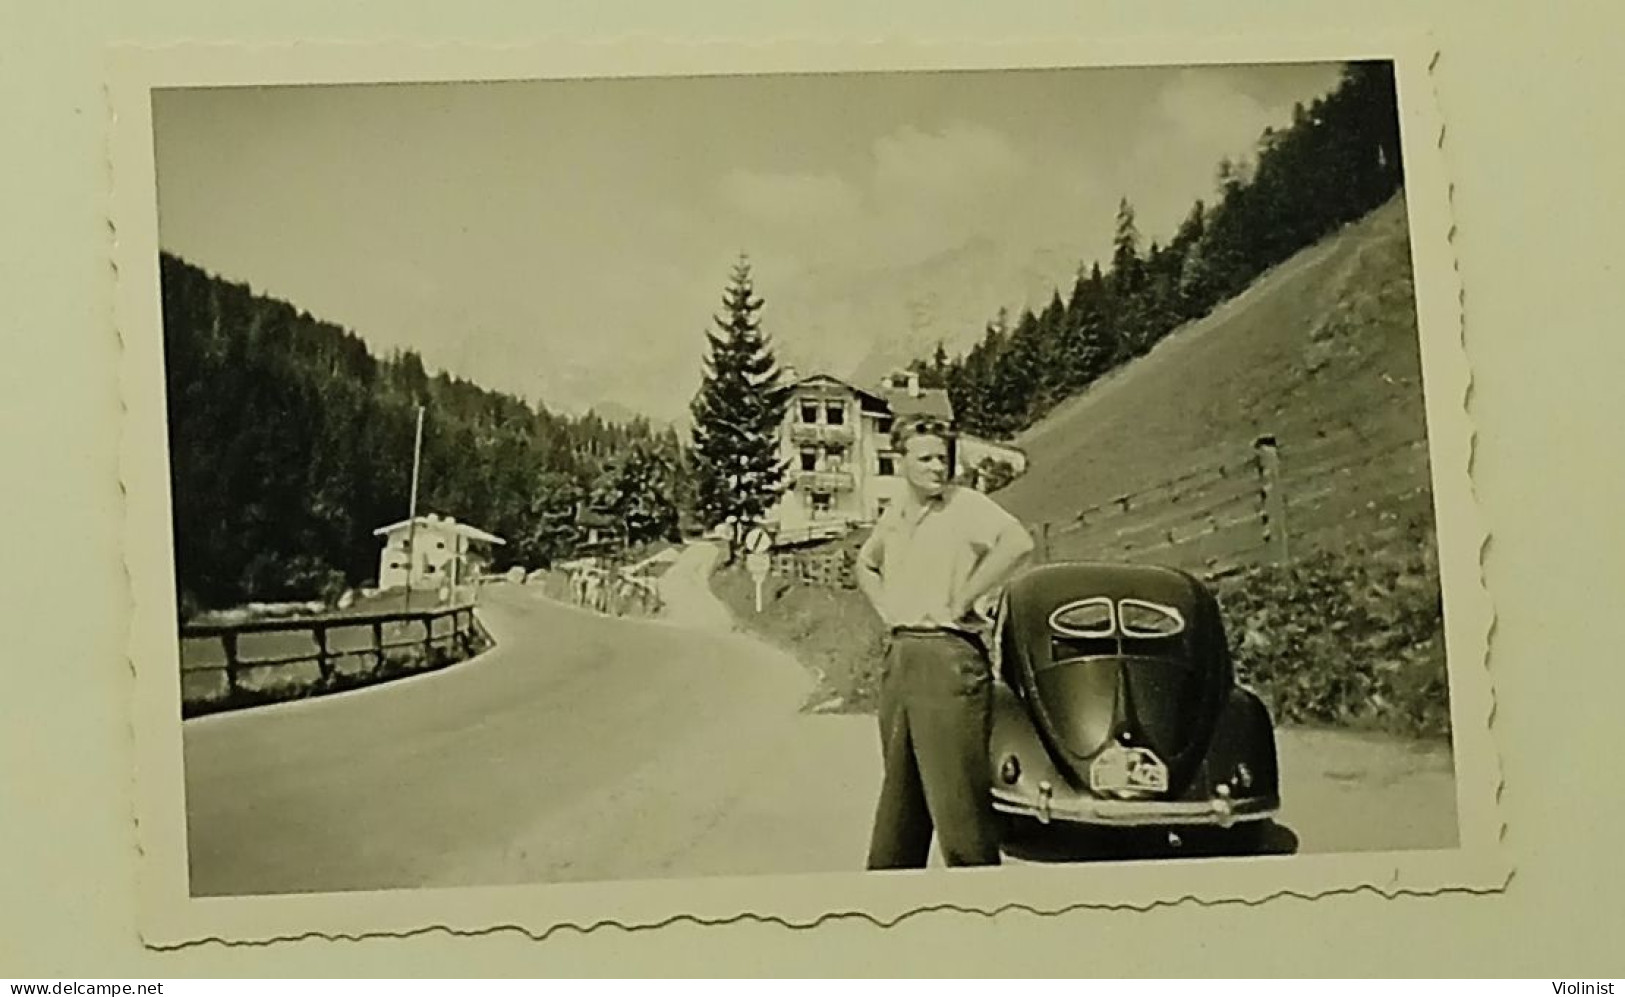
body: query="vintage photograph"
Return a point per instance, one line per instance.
(680, 476)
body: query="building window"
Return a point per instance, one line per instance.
(888, 466)
(883, 424)
(835, 414)
(809, 412)
(820, 501)
(809, 460)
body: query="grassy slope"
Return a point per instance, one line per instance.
(832, 632)
(1325, 342)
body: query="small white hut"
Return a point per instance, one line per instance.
(435, 552)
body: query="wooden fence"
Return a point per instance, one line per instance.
(1258, 505)
(1280, 498)
(215, 651)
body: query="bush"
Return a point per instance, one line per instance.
(1350, 638)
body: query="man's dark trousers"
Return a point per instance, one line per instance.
(936, 700)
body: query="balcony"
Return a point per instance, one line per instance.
(819, 432)
(824, 481)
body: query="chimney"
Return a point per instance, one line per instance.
(790, 374)
(914, 384)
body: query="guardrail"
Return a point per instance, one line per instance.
(461, 633)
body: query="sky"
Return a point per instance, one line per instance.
(569, 241)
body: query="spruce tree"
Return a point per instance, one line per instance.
(1128, 286)
(739, 473)
(1091, 341)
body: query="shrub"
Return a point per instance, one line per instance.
(1349, 638)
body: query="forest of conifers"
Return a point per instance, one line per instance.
(290, 443)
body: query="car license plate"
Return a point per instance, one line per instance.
(1121, 771)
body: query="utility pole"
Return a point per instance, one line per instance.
(412, 512)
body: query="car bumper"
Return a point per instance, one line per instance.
(1089, 810)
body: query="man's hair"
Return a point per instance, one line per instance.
(903, 430)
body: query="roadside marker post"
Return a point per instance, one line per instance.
(758, 563)
(757, 541)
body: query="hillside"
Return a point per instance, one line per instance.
(1321, 353)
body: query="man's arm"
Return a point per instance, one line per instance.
(1011, 545)
(867, 572)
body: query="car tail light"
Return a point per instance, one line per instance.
(1010, 771)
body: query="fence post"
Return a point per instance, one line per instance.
(229, 641)
(1273, 498)
(324, 664)
(378, 645)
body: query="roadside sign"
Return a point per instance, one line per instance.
(758, 563)
(757, 541)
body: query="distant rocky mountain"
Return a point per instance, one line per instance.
(613, 412)
(860, 325)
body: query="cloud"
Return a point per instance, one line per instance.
(1207, 110)
(916, 186)
(1198, 117)
(957, 161)
(792, 199)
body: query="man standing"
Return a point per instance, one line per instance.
(933, 553)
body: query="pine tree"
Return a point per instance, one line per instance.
(1050, 358)
(936, 376)
(1128, 285)
(638, 491)
(739, 473)
(1090, 344)
(933, 372)
(1126, 264)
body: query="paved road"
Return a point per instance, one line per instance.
(580, 748)
(587, 748)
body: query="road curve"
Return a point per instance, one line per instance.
(579, 748)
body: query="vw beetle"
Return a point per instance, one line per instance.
(1117, 706)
